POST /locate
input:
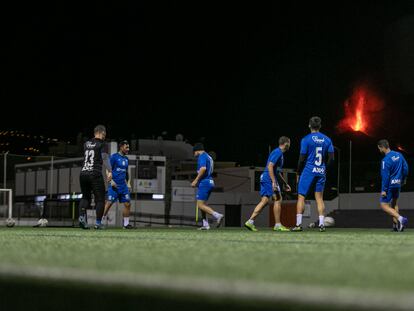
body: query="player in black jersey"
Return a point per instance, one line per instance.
(91, 177)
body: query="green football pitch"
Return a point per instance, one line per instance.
(224, 269)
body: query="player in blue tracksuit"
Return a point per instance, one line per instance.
(394, 171)
(316, 155)
(269, 187)
(119, 188)
(205, 184)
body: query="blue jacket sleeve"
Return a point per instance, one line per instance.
(202, 160)
(405, 169)
(385, 175)
(303, 147)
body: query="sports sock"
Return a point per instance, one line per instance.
(400, 219)
(216, 215)
(298, 219)
(126, 221)
(205, 223)
(278, 225)
(251, 221)
(321, 221)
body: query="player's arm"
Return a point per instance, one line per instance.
(331, 157)
(301, 165)
(302, 158)
(200, 174)
(107, 165)
(285, 184)
(270, 168)
(385, 176)
(330, 161)
(128, 181)
(405, 171)
(112, 161)
(273, 160)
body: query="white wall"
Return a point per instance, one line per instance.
(237, 179)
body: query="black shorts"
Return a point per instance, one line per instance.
(92, 183)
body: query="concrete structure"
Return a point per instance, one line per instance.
(58, 181)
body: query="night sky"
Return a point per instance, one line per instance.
(236, 75)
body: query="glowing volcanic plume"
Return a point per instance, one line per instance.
(362, 111)
(359, 123)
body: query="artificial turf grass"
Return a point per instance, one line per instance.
(366, 259)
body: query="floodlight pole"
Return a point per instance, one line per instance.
(5, 175)
(350, 166)
(5, 169)
(338, 180)
(51, 177)
(10, 204)
(339, 169)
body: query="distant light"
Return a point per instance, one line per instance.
(28, 158)
(64, 197)
(158, 197)
(40, 198)
(401, 148)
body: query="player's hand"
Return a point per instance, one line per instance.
(109, 176)
(287, 188)
(113, 184)
(297, 178)
(274, 186)
(194, 183)
(383, 194)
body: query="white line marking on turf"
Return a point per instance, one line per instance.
(222, 289)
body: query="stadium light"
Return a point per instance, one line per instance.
(338, 174)
(158, 197)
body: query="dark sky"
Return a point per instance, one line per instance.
(239, 75)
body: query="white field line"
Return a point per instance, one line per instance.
(257, 292)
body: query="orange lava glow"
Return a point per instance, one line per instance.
(361, 111)
(358, 122)
(401, 148)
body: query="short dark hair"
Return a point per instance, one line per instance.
(99, 129)
(315, 123)
(123, 142)
(384, 143)
(283, 140)
(198, 147)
